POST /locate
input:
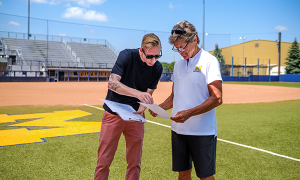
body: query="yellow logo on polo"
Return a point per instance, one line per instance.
(198, 68)
(52, 124)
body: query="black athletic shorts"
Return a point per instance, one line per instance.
(201, 150)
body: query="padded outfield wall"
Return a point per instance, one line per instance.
(103, 75)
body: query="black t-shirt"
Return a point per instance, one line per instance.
(135, 74)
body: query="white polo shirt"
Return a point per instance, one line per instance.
(190, 90)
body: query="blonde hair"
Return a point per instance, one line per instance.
(190, 33)
(151, 40)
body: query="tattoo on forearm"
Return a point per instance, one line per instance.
(114, 85)
(114, 81)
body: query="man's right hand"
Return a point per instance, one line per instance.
(145, 97)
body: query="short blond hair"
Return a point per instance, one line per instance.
(151, 40)
(190, 33)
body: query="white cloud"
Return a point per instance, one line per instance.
(68, 5)
(80, 13)
(281, 28)
(93, 31)
(172, 6)
(87, 3)
(51, 2)
(0, 3)
(39, 1)
(14, 23)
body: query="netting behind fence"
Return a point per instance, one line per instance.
(122, 38)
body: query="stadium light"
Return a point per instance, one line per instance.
(243, 38)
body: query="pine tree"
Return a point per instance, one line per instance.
(217, 53)
(293, 59)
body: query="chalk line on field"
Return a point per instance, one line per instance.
(230, 142)
(262, 150)
(94, 107)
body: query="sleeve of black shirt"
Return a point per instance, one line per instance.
(121, 63)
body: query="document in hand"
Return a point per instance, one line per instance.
(125, 111)
(158, 110)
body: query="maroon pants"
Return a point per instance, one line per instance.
(111, 129)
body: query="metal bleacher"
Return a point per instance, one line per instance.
(63, 53)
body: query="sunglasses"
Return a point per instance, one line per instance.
(152, 56)
(180, 32)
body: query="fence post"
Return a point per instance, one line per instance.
(258, 66)
(245, 67)
(269, 71)
(232, 66)
(57, 76)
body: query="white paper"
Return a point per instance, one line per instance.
(158, 110)
(125, 111)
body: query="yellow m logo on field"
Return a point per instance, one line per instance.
(56, 122)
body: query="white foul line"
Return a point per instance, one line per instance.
(94, 107)
(250, 147)
(260, 150)
(158, 124)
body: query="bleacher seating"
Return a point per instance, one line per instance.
(55, 54)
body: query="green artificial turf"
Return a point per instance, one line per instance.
(269, 126)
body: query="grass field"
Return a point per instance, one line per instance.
(269, 126)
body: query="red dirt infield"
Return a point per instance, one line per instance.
(78, 93)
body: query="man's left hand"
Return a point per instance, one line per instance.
(141, 110)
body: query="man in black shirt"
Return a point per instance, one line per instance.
(134, 78)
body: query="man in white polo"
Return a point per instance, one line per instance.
(197, 91)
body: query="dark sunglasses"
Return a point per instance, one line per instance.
(180, 32)
(152, 56)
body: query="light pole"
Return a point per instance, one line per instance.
(28, 18)
(243, 38)
(203, 24)
(279, 47)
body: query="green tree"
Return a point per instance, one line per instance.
(165, 65)
(171, 65)
(217, 53)
(293, 64)
(168, 66)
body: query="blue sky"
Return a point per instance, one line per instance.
(124, 22)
